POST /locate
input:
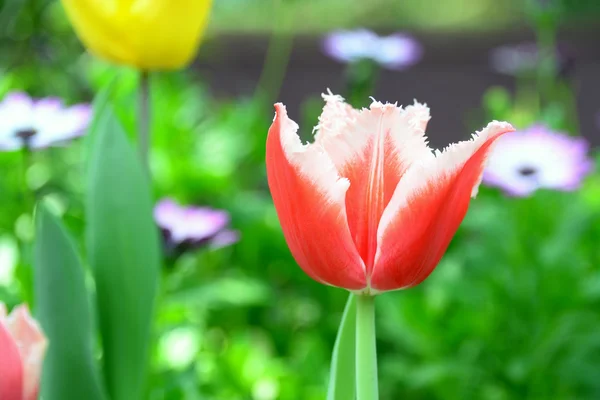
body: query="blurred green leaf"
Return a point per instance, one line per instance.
(497, 102)
(70, 371)
(342, 375)
(554, 115)
(123, 245)
(101, 101)
(230, 291)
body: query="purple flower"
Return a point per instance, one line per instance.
(397, 51)
(535, 158)
(189, 226)
(525, 57)
(224, 238)
(25, 122)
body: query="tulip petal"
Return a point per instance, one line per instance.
(309, 197)
(100, 26)
(372, 148)
(426, 209)
(32, 345)
(11, 367)
(145, 34)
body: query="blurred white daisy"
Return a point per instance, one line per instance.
(396, 51)
(525, 161)
(39, 123)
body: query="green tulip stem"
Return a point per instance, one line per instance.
(144, 118)
(366, 349)
(278, 55)
(25, 164)
(23, 271)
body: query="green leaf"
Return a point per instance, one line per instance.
(123, 245)
(70, 371)
(217, 293)
(342, 379)
(101, 102)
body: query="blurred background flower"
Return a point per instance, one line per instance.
(189, 227)
(538, 158)
(39, 123)
(364, 53)
(493, 322)
(396, 51)
(524, 58)
(23, 346)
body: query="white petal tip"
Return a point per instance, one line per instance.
(330, 97)
(379, 105)
(280, 111)
(418, 115)
(416, 103)
(499, 125)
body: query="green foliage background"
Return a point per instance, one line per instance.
(510, 313)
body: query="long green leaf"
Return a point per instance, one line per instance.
(123, 245)
(101, 102)
(70, 371)
(342, 379)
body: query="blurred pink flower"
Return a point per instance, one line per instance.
(193, 226)
(39, 123)
(22, 349)
(535, 158)
(397, 51)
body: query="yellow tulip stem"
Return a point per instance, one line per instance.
(144, 118)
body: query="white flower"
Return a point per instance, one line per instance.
(525, 161)
(27, 122)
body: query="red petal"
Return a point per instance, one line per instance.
(11, 367)
(32, 346)
(309, 199)
(426, 210)
(372, 148)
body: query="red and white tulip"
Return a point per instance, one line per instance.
(368, 206)
(22, 349)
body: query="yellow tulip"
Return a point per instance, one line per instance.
(147, 34)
